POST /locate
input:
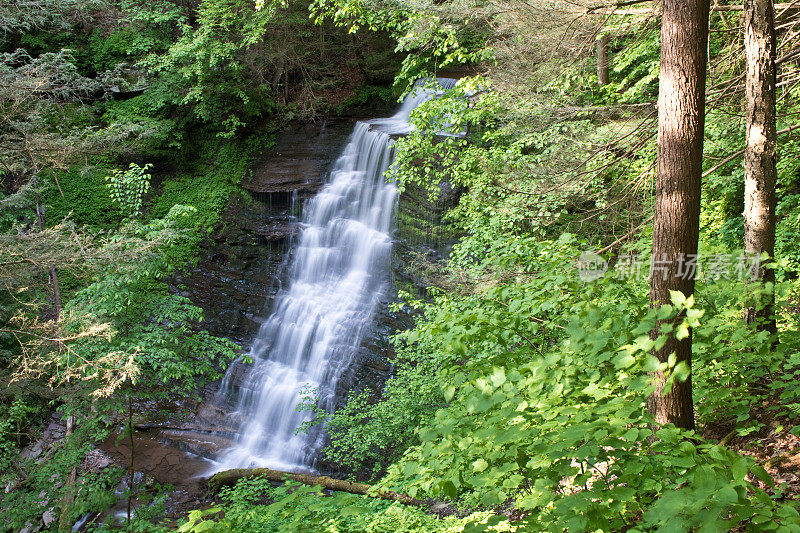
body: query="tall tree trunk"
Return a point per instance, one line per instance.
(68, 500)
(602, 60)
(131, 464)
(760, 172)
(51, 271)
(681, 119)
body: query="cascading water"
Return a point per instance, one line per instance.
(337, 277)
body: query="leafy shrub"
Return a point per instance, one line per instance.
(255, 506)
(106, 51)
(127, 188)
(566, 437)
(369, 94)
(150, 112)
(45, 485)
(16, 416)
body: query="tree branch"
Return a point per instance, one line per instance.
(740, 152)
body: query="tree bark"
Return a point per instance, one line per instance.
(230, 477)
(760, 171)
(51, 271)
(602, 60)
(67, 502)
(681, 120)
(131, 471)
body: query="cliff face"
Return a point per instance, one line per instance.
(241, 263)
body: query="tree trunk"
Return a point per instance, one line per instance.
(602, 60)
(51, 271)
(681, 117)
(56, 293)
(230, 477)
(131, 471)
(67, 502)
(760, 172)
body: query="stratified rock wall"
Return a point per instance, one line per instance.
(240, 266)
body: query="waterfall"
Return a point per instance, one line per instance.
(337, 276)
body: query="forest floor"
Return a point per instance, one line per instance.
(773, 447)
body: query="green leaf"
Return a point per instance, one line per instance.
(498, 376)
(449, 392)
(480, 465)
(762, 474)
(677, 298)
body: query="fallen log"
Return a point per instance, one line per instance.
(230, 477)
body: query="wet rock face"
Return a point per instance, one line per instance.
(374, 362)
(231, 282)
(301, 159)
(239, 270)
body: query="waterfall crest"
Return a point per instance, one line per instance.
(338, 275)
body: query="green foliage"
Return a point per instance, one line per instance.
(787, 239)
(636, 66)
(517, 165)
(428, 35)
(204, 193)
(82, 195)
(369, 94)
(107, 51)
(209, 179)
(155, 21)
(203, 69)
(367, 435)
(151, 111)
(157, 329)
(127, 188)
(14, 418)
(145, 28)
(723, 198)
(45, 484)
(255, 506)
(735, 368)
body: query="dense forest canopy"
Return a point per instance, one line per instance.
(611, 344)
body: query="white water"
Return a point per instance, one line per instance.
(337, 277)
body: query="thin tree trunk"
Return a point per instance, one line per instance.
(56, 293)
(602, 60)
(681, 118)
(131, 477)
(51, 271)
(69, 496)
(760, 171)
